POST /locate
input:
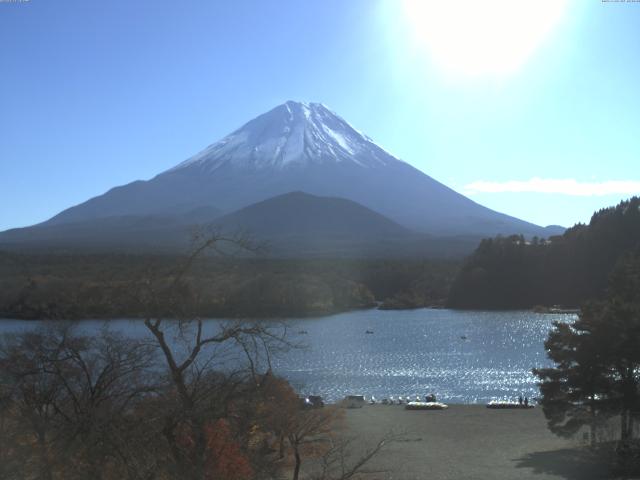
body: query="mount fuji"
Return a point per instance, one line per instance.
(295, 147)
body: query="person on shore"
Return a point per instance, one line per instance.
(526, 401)
(520, 399)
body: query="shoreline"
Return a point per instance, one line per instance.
(293, 316)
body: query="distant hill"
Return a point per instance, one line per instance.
(511, 272)
(552, 231)
(295, 224)
(301, 214)
(304, 225)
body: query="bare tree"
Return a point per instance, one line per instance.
(237, 350)
(340, 462)
(70, 396)
(331, 454)
(308, 426)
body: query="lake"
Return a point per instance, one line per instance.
(461, 356)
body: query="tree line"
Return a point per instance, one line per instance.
(70, 286)
(514, 272)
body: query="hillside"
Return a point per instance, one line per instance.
(510, 272)
(301, 214)
(291, 225)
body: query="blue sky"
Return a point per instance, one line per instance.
(95, 94)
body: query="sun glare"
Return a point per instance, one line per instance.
(480, 37)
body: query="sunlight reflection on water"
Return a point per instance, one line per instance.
(461, 356)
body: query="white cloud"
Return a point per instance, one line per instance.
(568, 186)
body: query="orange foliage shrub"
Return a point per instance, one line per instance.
(225, 458)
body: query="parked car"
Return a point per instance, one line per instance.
(313, 401)
(355, 401)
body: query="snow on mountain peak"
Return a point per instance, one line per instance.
(291, 134)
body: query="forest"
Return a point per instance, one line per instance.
(72, 286)
(515, 273)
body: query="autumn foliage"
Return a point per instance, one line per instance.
(224, 455)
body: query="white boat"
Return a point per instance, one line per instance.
(505, 404)
(426, 406)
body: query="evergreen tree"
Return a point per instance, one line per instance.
(510, 273)
(597, 361)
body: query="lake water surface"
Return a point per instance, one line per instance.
(461, 356)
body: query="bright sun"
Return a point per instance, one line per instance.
(479, 37)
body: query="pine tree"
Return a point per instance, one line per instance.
(597, 361)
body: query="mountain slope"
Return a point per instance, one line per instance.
(292, 225)
(301, 147)
(118, 232)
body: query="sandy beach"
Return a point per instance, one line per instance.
(472, 442)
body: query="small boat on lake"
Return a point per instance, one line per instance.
(505, 404)
(426, 406)
(556, 309)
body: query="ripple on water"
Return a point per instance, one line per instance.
(462, 356)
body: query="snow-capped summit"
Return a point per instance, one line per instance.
(291, 134)
(300, 147)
